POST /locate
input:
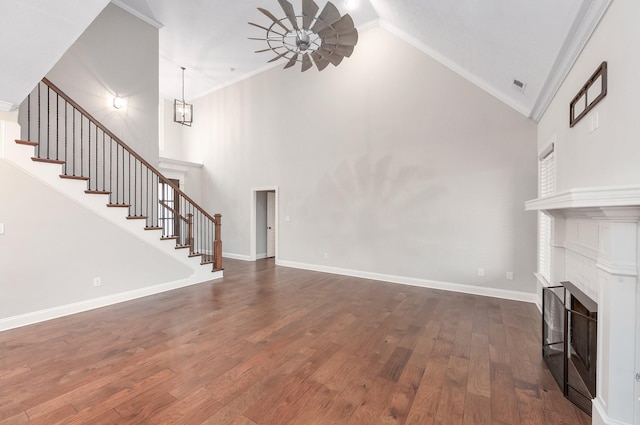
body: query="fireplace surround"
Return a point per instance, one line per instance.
(595, 245)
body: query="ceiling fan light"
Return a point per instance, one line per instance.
(351, 4)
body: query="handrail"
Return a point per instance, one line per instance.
(173, 210)
(123, 144)
(68, 134)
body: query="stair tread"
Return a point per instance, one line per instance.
(26, 142)
(67, 176)
(47, 160)
(97, 192)
(183, 246)
(118, 205)
(137, 217)
(169, 238)
(152, 228)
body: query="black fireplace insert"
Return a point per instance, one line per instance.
(569, 341)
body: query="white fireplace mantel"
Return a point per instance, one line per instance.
(595, 244)
(588, 198)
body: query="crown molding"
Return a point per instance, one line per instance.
(7, 106)
(584, 25)
(148, 19)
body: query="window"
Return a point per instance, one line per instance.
(546, 187)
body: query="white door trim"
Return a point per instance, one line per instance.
(253, 219)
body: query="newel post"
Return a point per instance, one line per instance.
(217, 244)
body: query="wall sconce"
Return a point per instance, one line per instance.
(119, 102)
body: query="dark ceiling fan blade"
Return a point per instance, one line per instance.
(273, 18)
(265, 28)
(328, 16)
(309, 10)
(321, 62)
(348, 39)
(306, 62)
(280, 55)
(263, 50)
(291, 14)
(340, 50)
(343, 26)
(292, 61)
(332, 57)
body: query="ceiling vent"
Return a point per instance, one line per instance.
(519, 85)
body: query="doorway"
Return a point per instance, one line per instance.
(264, 222)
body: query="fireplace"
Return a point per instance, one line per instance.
(569, 341)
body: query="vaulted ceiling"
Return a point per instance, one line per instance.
(490, 42)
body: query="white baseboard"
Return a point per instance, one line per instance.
(79, 307)
(236, 256)
(599, 417)
(424, 283)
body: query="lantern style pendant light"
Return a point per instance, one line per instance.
(182, 111)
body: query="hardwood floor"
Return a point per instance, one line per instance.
(270, 345)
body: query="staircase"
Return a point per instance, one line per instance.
(85, 152)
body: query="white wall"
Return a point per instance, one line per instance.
(389, 163)
(53, 248)
(170, 132)
(610, 155)
(117, 54)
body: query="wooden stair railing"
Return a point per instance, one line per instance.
(64, 133)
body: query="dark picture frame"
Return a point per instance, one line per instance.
(594, 90)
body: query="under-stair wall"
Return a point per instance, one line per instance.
(57, 240)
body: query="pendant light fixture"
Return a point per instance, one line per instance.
(182, 111)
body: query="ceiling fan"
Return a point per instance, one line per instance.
(309, 38)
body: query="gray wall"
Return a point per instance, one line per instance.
(117, 54)
(390, 163)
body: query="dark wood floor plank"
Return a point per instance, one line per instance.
(19, 419)
(477, 410)
(270, 345)
(451, 406)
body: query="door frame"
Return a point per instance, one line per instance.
(253, 220)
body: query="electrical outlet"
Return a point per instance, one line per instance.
(509, 275)
(97, 281)
(326, 255)
(1, 228)
(481, 272)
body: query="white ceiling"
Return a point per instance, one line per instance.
(490, 42)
